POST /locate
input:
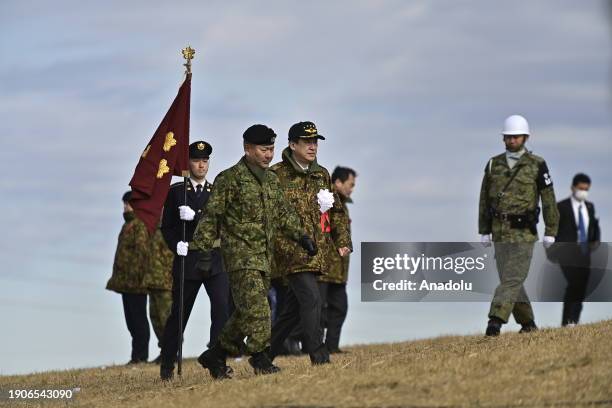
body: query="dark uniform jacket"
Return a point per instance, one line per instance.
(198, 264)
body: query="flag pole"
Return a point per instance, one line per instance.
(188, 54)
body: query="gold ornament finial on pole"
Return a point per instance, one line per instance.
(188, 54)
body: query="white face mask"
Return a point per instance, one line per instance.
(581, 195)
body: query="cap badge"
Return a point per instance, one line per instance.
(201, 146)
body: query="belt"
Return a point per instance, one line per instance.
(510, 217)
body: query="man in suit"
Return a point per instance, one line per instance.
(201, 268)
(577, 224)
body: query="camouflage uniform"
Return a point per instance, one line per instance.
(332, 287)
(510, 216)
(131, 257)
(246, 210)
(303, 301)
(158, 281)
(301, 188)
(339, 265)
(129, 270)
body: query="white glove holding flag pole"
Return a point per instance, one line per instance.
(325, 200)
(186, 213)
(485, 240)
(181, 248)
(548, 241)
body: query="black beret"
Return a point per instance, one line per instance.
(259, 135)
(126, 196)
(199, 150)
(304, 130)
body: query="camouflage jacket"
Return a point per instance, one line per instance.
(246, 210)
(339, 265)
(130, 258)
(522, 195)
(301, 188)
(158, 275)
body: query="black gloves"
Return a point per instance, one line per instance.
(309, 245)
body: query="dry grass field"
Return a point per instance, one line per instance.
(562, 367)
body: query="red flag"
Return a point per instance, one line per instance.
(167, 154)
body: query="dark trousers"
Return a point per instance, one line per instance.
(135, 310)
(302, 305)
(577, 280)
(217, 288)
(335, 308)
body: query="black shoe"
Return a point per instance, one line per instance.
(135, 361)
(337, 351)
(166, 373)
(157, 360)
(320, 355)
(293, 347)
(494, 327)
(528, 327)
(261, 363)
(213, 359)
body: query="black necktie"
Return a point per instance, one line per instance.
(198, 190)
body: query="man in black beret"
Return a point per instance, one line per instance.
(201, 267)
(247, 209)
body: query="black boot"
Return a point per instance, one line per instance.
(528, 327)
(213, 359)
(166, 373)
(262, 364)
(292, 346)
(320, 355)
(494, 326)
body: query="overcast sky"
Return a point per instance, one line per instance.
(410, 94)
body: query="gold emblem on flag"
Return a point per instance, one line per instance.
(163, 168)
(146, 151)
(201, 146)
(169, 142)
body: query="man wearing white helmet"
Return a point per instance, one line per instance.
(514, 182)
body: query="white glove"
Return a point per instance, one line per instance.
(181, 248)
(485, 240)
(548, 241)
(186, 213)
(325, 200)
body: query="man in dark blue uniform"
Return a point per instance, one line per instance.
(201, 268)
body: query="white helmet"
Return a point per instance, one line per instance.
(516, 125)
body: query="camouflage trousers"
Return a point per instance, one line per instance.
(160, 302)
(251, 316)
(513, 262)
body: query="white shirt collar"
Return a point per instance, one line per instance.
(194, 183)
(585, 213)
(576, 203)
